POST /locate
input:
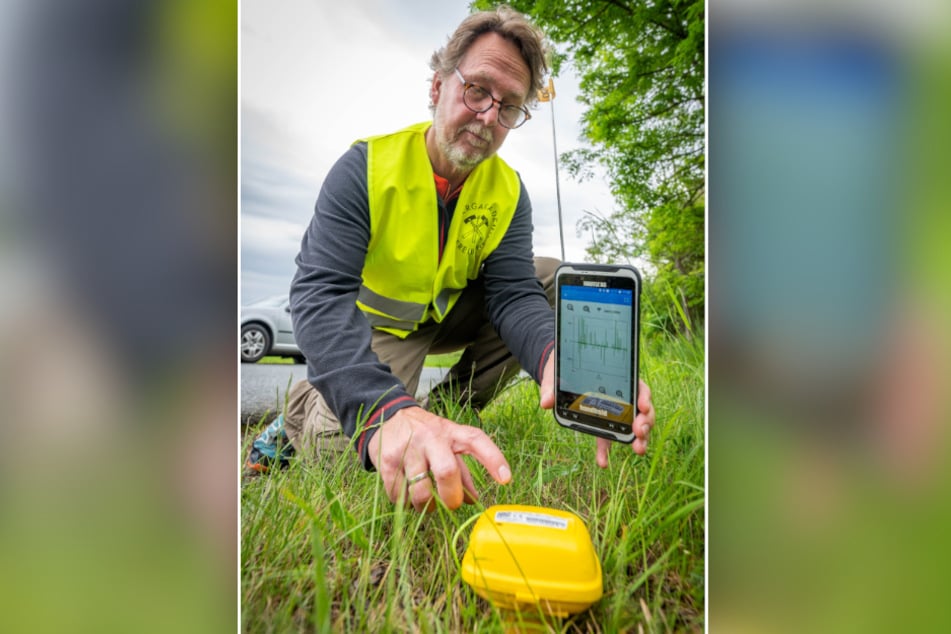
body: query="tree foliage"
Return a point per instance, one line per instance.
(641, 65)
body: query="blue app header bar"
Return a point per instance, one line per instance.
(593, 294)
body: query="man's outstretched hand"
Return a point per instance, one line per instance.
(416, 450)
(643, 422)
(421, 453)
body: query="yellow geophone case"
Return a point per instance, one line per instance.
(598, 404)
(529, 557)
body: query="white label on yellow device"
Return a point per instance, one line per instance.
(531, 519)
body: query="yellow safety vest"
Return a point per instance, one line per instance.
(404, 281)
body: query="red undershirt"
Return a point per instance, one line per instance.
(442, 188)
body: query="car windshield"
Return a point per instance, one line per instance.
(270, 302)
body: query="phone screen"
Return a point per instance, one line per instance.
(597, 351)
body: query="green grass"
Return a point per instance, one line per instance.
(277, 360)
(323, 549)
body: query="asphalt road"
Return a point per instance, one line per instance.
(263, 387)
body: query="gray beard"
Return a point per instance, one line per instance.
(459, 158)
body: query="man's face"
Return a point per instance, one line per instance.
(466, 138)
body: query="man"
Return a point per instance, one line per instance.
(421, 242)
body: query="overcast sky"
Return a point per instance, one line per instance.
(312, 77)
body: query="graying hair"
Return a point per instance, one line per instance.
(511, 25)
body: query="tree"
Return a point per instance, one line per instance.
(641, 65)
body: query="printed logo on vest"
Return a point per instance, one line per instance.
(478, 221)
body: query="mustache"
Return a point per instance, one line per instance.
(479, 131)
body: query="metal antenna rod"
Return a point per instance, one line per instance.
(548, 94)
(554, 144)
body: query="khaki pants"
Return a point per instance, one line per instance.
(486, 366)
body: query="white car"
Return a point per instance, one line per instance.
(266, 330)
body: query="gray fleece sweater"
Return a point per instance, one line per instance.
(333, 333)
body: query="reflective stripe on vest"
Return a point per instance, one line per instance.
(404, 281)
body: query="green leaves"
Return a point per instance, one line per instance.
(642, 78)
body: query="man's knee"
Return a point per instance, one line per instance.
(300, 400)
(310, 425)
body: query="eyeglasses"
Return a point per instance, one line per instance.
(478, 99)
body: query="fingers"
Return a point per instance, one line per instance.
(444, 465)
(416, 443)
(547, 391)
(397, 460)
(604, 446)
(642, 430)
(474, 442)
(644, 404)
(393, 479)
(645, 419)
(639, 446)
(470, 495)
(454, 484)
(643, 423)
(420, 493)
